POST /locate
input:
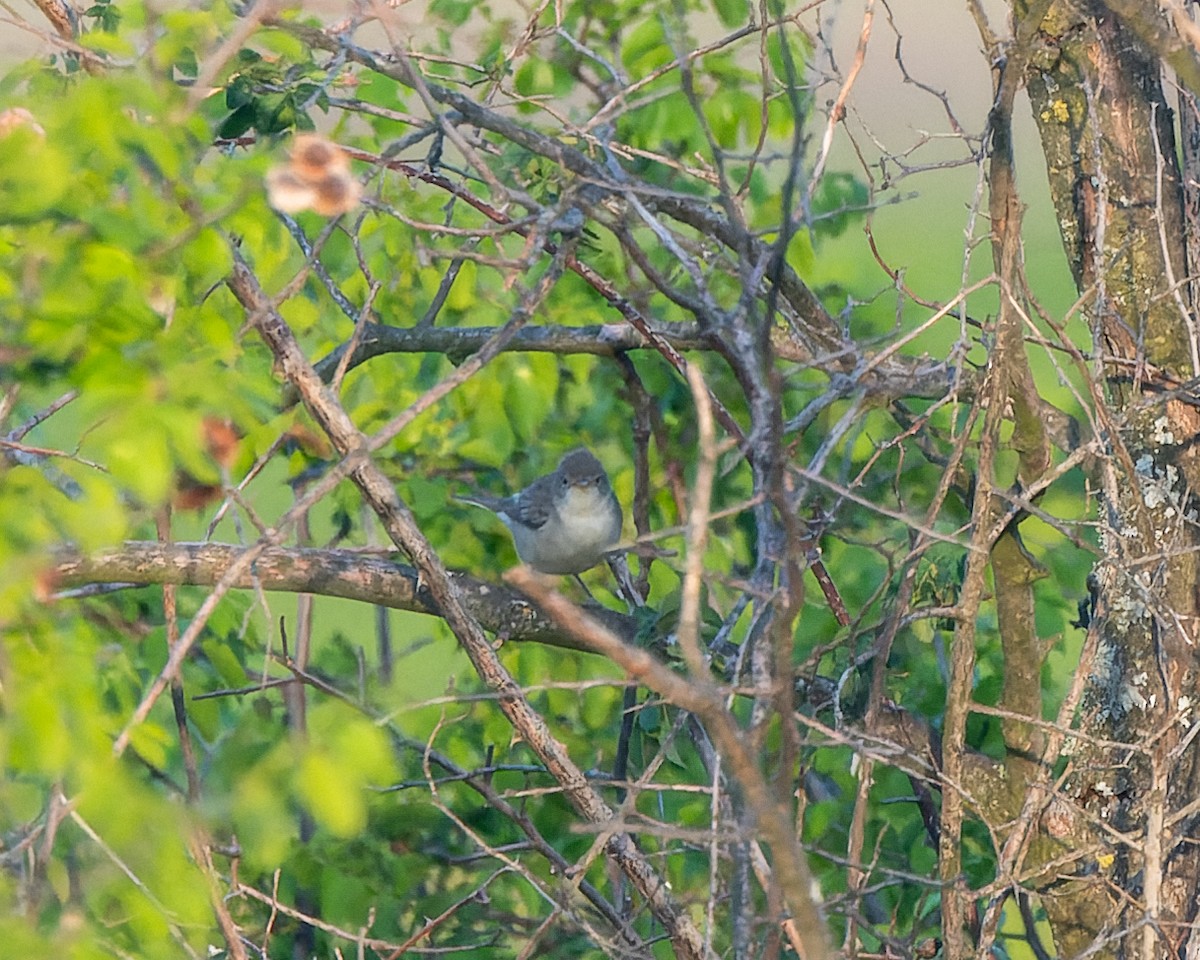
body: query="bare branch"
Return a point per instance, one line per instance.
(348, 574)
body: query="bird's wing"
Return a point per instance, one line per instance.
(531, 507)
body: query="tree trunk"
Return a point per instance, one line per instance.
(1110, 148)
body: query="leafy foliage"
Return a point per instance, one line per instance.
(315, 789)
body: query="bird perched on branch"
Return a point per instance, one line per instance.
(564, 522)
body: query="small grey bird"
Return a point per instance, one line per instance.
(563, 522)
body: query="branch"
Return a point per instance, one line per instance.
(61, 16)
(348, 574)
(401, 527)
(881, 375)
(1148, 25)
(823, 334)
(707, 702)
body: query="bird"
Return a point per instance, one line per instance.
(562, 523)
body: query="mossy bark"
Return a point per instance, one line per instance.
(1110, 149)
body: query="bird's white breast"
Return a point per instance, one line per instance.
(586, 518)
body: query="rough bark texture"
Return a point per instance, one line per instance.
(1110, 148)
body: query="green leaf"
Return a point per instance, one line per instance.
(454, 12)
(530, 390)
(427, 497)
(334, 799)
(732, 13)
(646, 48)
(840, 200)
(462, 293)
(34, 176)
(238, 122)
